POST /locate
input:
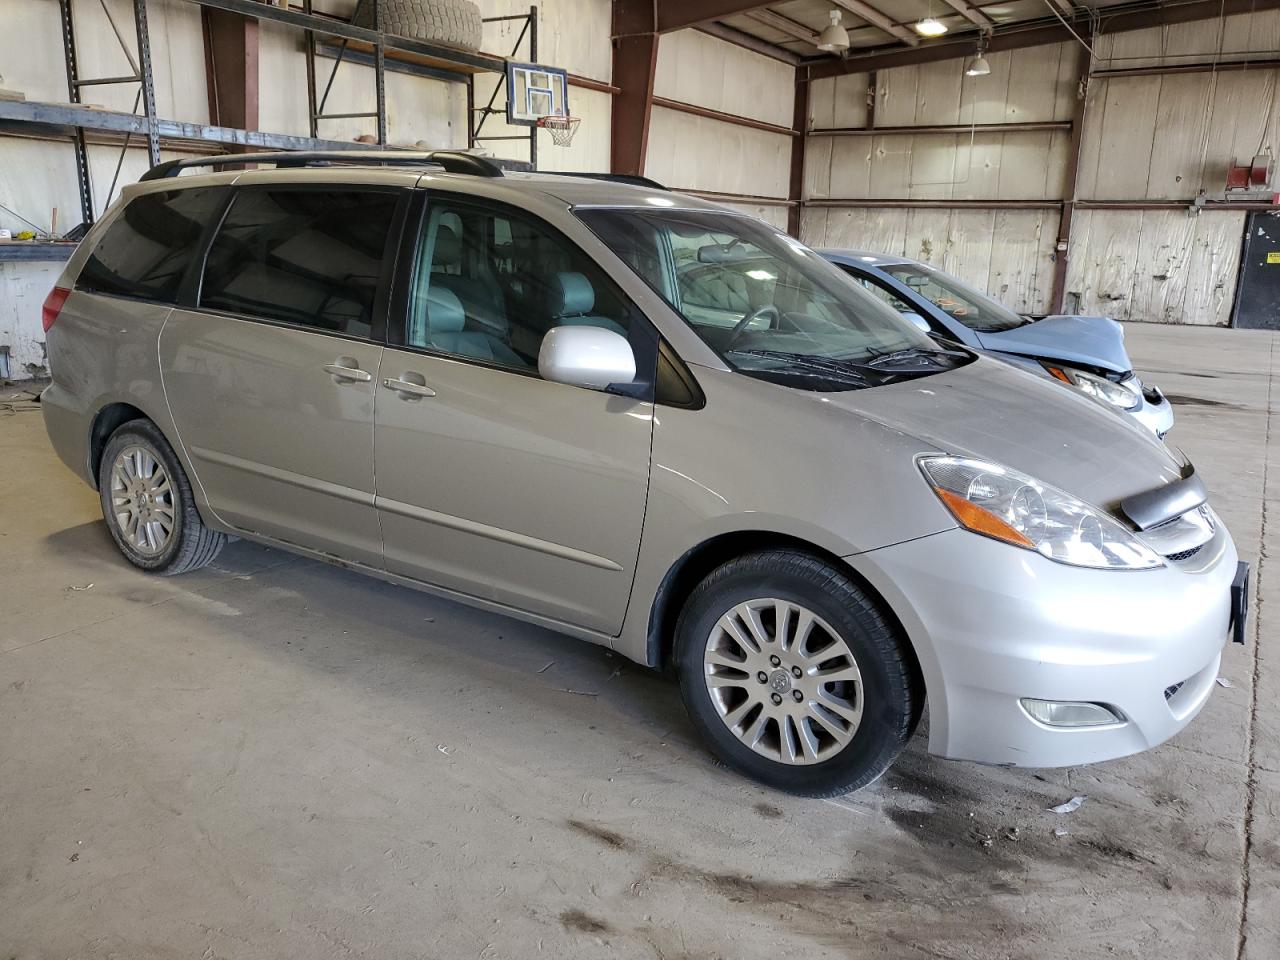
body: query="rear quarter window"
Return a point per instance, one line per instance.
(145, 251)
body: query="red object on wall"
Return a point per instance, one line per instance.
(1237, 176)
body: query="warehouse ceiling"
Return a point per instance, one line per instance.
(791, 28)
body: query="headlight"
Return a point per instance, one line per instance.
(1006, 505)
(1120, 395)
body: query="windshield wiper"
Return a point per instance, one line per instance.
(809, 365)
(911, 353)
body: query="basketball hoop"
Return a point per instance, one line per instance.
(562, 128)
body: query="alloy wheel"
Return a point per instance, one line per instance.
(142, 500)
(783, 681)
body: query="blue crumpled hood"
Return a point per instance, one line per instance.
(1088, 341)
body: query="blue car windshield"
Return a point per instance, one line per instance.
(765, 303)
(963, 303)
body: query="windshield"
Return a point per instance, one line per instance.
(971, 307)
(766, 304)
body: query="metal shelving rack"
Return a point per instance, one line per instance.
(340, 40)
(530, 30)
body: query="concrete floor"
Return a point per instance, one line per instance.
(274, 758)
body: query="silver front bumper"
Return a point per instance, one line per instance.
(993, 624)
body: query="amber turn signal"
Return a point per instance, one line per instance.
(975, 518)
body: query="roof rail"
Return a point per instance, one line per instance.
(453, 161)
(632, 178)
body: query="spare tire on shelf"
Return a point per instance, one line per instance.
(452, 23)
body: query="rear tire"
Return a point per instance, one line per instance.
(793, 675)
(147, 503)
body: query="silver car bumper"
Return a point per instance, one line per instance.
(993, 624)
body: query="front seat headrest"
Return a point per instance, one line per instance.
(570, 294)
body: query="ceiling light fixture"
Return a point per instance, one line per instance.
(835, 38)
(930, 27)
(977, 65)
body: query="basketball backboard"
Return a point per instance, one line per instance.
(535, 91)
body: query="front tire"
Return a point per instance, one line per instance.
(147, 503)
(793, 675)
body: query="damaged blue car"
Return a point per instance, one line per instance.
(1085, 353)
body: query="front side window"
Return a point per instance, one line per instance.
(307, 257)
(147, 248)
(489, 283)
(767, 305)
(974, 309)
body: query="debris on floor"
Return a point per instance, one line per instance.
(1071, 806)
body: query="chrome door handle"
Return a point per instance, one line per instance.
(407, 388)
(344, 372)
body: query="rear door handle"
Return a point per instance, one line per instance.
(407, 389)
(347, 371)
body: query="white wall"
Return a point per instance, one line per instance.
(698, 153)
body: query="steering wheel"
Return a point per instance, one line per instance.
(740, 327)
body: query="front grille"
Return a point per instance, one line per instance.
(1184, 554)
(1170, 690)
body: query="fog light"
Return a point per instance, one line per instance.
(1062, 713)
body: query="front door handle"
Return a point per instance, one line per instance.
(408, 389)
(344, 368)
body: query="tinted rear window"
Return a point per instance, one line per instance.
(145, 251)
(308, 257)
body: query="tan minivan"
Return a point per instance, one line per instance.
(650, 422)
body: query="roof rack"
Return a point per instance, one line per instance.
(634, 179)
(452, 161)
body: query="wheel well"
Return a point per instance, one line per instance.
(108, 420)
(695, 565)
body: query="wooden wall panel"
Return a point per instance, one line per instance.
(1022, 260)
(1212, 270)
(769, 213)
(1125, 131)
(1169, 137)
(700, 69)
(1024, 85)
(702, 154)
(1236, 37)
(1008, 253)
(896, 96)
(1158, 266)
(1183, 125)
(890, 163)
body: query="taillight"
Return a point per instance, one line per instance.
(53, 306)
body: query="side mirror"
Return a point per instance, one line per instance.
(917, 321)
(588, 357)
